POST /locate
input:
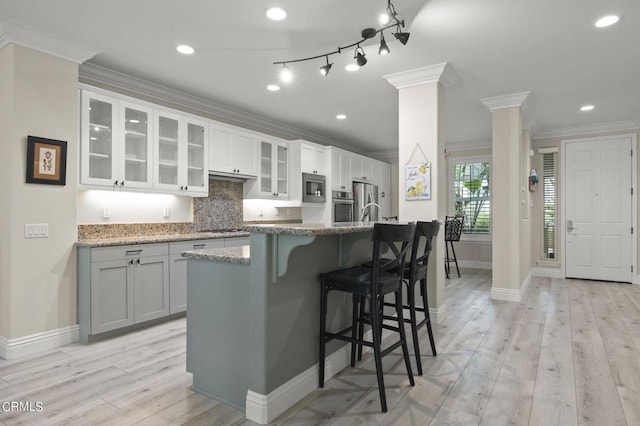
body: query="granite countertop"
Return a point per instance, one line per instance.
(119, 241)
(239, 254)
(311, 229)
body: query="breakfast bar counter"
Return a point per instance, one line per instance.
(253, 314)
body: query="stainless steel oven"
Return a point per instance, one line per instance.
(342, 206)
(313, 188)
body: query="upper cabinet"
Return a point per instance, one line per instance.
(116, 142)
(312, 158)
(361, 168)
(181, 153)
(232, 151)
(273, 174)
(132, 145)
(341, 179)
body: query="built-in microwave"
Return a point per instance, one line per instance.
(313, 188)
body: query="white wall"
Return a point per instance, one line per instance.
(265, 210)
(39, 97)
(132, 207)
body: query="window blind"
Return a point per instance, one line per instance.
(472, 200)
(549, 205)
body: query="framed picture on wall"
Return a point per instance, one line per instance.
(46, 161)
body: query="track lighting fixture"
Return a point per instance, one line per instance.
(324, 70)
(384, 49)
(360, 57)
(285, 75)
(389, 19)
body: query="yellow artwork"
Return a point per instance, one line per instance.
(418, 181)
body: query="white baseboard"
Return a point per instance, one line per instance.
(510, 294)
(438, 314)
(29, 345)
(473, 264)
(539, 271)
(263, 409)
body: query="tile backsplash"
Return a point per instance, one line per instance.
(222, 209)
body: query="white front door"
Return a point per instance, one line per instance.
(598, 198)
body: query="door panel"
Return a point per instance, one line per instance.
(598, 209)
(151, 288)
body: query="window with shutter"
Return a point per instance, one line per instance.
(472, 196)
(549, 210)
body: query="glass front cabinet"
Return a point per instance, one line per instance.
(115, 143)
(129, 145)
(274, 169)
(181, 154)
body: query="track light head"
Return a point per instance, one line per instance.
(402, 37)
(285, 75)
(384, 49)
(324, 70)
(361, 60)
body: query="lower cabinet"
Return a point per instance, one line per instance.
(119, 286)
(178, 270)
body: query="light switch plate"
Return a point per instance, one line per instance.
(36, 230)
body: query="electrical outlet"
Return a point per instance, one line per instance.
(166, 212)
(106, 214)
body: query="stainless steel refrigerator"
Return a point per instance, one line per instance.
(365, 195)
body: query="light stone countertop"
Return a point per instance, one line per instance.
(119, 241)
(311, 229)
(239, 254)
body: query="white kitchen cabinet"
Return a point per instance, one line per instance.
(341, 179)
(312, 159)
(178, 270)
(121, 286)
(361, 168)
(181, 154)
(383, 180)
(232, 151)
(273, 176)
(116, 142)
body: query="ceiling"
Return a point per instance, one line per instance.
(495, 47)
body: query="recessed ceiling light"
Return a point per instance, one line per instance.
(185, 50)
(352, 67)
(341, 117)
(273, 87)
(586, 108)
(276, 13)
(605, 21)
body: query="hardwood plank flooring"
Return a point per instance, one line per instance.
(568, 354)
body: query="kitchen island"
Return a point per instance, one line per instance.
(253, 314)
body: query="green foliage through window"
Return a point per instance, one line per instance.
(472, 200)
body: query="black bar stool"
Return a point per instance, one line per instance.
(452, 232)
(371, 284)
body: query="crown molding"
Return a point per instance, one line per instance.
(616, 126)
(386, 154)
(96, 75)
(467, 145)
(442, 73)
(23, 35)
(522, 100)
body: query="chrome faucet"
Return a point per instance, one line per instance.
(364, 213)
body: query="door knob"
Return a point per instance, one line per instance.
(570, 227)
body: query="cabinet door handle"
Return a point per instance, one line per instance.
(181, 188)
(128, 252)
(197, 246)
(138, 262)
(186, 188)
(115, 183)
(131, 262)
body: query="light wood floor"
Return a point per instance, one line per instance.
(567, 355)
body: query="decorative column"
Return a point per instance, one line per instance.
(507, 171)
(421, 139)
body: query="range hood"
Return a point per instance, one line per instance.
(237, 177)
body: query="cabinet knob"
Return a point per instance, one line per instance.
(115, 183)
(186, 188)
(131, 262)
(181, 188)
(138, 262)
(238, 170)
(122, 183)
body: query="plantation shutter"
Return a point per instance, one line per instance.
(549, 161)
(472, 198)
